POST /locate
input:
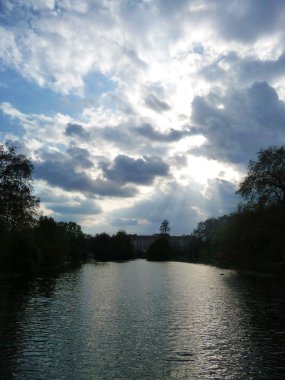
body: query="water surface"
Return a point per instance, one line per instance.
(142, 320)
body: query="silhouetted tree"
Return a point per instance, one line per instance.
(100, 246)
(18, 205)
(121, 247)
(205, 230)
(164, 228)
(118, 247)
(202, 238)
(52, 247)
(72, 238)
(160, 249)
(58, 241)
(265, 181)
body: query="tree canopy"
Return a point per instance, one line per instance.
(164, 228)
(265, 181)
(18, 205)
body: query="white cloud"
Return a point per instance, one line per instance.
(179, 87)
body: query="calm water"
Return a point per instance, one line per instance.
(142, 320)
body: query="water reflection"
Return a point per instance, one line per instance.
(142, 320)
(264, 301)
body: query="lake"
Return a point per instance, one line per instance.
(142, 320)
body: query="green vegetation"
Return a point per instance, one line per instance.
(30, 243)
(265, 183)
(164, 227)
(104, 247)
(17, 203)
(160, 249)
(253, 237)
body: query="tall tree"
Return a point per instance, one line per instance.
(17, 203)
(265, 181)
(164, 228)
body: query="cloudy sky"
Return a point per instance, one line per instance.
(133, 111)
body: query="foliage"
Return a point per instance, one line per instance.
(72, 238)
(205, 230)
(265, 181)
(164, 228)
(18, 205)
(160, 249)
(58, 241)
(202, 238)
(28, 244)
(118, 247)
(99, 246)
(121, 247)
(252, 237)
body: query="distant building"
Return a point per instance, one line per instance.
(180, 243)
(142, 242)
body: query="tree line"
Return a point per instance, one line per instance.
(251, 237)
(30, 242)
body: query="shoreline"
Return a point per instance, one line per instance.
(258, 272)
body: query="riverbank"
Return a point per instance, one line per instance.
(262, 269)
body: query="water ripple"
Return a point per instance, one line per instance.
(142, 320)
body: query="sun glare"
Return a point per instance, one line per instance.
(201, 170)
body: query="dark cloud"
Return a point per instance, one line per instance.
(63, 174)
(81, 157)
(244, 70)
(120, 135)
(85, 207)
(48, 195)
(150, 133)
(247, 20)
(67, 207)
(213, 72)
(114, 189)
(252, 69)
(58, 170)
(129, 137)
(250, 119)
(76, 130)
(265, 107)
(140, 171)
(239, 20)
(157, 105)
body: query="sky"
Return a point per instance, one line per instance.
(136, 111)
